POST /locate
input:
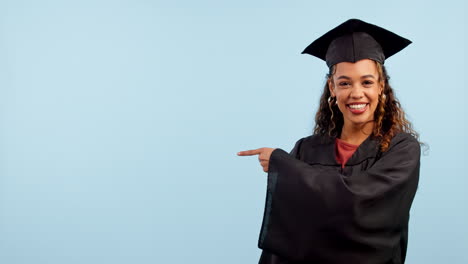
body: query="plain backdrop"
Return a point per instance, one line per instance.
(120, 122)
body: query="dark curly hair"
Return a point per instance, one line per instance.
(389, 117)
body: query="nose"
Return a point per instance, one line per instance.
(357, 92)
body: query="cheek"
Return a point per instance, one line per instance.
(341, 97)
(375, 102)
(373, 95)
(375, 98)
(341, 105)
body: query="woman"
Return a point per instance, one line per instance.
(343, 195)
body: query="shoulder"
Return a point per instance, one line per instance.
(405, 145)
(315, 140)
(403, 138)
(314, 149)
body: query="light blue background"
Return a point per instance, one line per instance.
(120, 122)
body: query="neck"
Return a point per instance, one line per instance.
(356, 134)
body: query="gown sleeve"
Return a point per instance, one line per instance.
(314, 212)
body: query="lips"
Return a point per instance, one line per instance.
(357, 108)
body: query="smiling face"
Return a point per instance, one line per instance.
(357, 88)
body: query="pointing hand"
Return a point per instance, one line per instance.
(263, 156)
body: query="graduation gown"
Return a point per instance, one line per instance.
(319, 213)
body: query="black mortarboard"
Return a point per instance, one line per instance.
(355, 40)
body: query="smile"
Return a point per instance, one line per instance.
(357, 108)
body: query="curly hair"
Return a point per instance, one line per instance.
(389, 117)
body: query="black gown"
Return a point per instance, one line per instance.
(318, 213)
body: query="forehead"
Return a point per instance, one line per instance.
(356, 69)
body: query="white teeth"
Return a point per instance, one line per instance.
(357, 106)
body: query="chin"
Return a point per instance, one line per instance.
(359, 121)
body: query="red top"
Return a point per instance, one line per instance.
(343, 151)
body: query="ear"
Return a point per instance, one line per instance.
(331, 87)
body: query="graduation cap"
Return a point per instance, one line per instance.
(355, 40)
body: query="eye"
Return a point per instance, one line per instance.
(368, 83)
(344, 84)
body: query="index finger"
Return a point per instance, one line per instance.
(250, 152)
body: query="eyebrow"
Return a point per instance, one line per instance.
(362, 77)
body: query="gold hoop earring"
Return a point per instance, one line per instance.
(382, 98)
(330, 105)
